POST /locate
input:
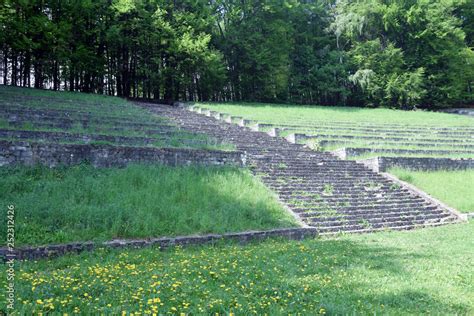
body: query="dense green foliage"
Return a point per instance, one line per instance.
(392, 273)
(372, 52)
(451, 187)
(82, 203)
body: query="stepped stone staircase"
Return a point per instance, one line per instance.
(322, 191)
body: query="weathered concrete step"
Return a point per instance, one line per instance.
(389, 225)
(302, 163)
(301, 184)
(421, 145)
(348, 152)
(339, 180)
(354, 199)
(68, 119)
(377, 223)
(323, 206)
(376, 218)
(323, 192)
(372, 213)
(363, 205)
(376, 127)
(368, 132)
(313, 172)
(305, 137)
(88, 138)
(317, 173)
(382, 229)
(343, 183)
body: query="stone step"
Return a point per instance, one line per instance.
(421, 145)
(379, 226)
(376, 132)
(323, 205)
(88, 138)
(372, 126)
(373, 218)
(358, 151)
(363, 204)
(383, 139)
(356, 230)
(22, 118)
(335, 202)
(371, 213)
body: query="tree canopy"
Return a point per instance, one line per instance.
(397, 53)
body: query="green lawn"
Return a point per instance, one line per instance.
(455, 188)
(426, 271)
(83, 203)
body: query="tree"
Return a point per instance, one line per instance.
(423, 41)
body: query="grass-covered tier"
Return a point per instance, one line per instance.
(89, 119)
(392, 273)
(81, 203)
(336, 127)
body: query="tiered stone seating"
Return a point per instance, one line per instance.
(325, 192)
(83, 123)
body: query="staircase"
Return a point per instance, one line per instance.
(325, 192)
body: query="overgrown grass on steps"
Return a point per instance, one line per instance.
(82, 203)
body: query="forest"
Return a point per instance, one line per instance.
(390, 53)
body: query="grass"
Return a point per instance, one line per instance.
(83, 203)
(289, 114)
(75, 102)
(424, 271)
(455, 188)
(100, 109)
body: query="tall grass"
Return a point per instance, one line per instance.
(455, 188)
(83, 203)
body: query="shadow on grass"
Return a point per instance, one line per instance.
(81, 203)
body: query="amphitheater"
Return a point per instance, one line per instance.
(323, 190)
(327, 190)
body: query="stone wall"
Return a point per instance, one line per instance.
(51, 155)
(382, 164)
(32, 253)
